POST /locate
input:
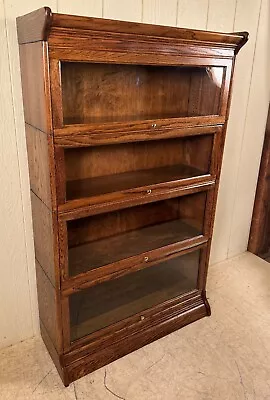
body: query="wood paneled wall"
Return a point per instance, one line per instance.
(18, 311)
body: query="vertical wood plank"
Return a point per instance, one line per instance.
(15, 310)
(256, 115)
(123, 10)
(192, 14)
(88, 8)
(161, 12)
(22, 198)
(246, 18)
(221, 15)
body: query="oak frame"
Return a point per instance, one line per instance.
(47, 39)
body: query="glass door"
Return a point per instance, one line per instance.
(108, 303)
(106, 93)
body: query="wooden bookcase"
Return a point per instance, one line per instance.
(125, 128)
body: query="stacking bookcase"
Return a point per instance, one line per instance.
(125, 127)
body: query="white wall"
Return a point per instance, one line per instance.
(18, 305)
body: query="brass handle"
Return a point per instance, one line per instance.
(149, 191)
(154, 125)
(146, 259)
(142, 317)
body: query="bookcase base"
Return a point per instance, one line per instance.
(103, 355)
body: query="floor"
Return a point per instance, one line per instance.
(226, 356)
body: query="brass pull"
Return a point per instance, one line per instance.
(142, 317)
(149, 191)
(154, 125)
(146, 259)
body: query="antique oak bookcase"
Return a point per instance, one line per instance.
(125, 127)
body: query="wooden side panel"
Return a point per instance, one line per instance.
(37, 110)
(16, 129)
(43, 236)
(36, 93)
(38, 160)
(37, 23)
(53, 352)
(47, 301)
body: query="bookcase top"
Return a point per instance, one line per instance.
(39, 25)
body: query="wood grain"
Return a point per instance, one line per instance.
(129, 295)
(38, 116)
(38, 159)
(38, 25)
(111, 93)
(48, 306)
(95, 24)
(108, 161)
(88, 187)
(97, 134)
(102, 170)
(123, 267)
(82, 347)
(97, 254)
(36, 93)
(53, 353)
(43, 236)
(114, 201)
(163, 326)
(134, 170)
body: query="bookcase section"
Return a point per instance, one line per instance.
(107, 238)
(132, 294)
(125, 127)
(98, 170)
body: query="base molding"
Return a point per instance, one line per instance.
(98, 355)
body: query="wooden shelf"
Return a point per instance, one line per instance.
(118, 299)
(109, 250)
(89, 187)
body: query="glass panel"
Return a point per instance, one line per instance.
(105, 304)
(97, 93)
(93, 171)
(106, 238)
